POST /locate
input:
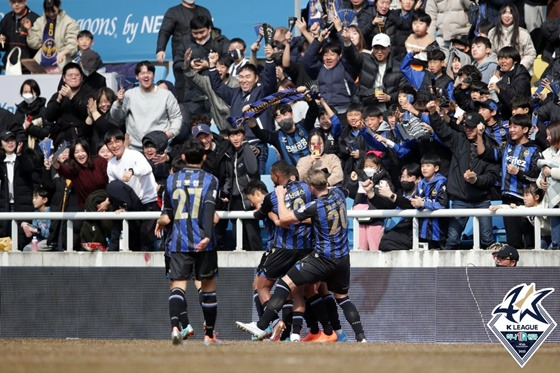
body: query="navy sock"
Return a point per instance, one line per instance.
(287, 313)
(274, 304)
(332, 311)
(320, 311)
(310, 319)
(297, 322)
(178, 308)
(258, 306)
(210, 310)
(352, 316)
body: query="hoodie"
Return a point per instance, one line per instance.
(487, 67)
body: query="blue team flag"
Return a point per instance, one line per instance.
(46, 146)
(346, 16)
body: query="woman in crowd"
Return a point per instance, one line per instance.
(507, 32)
(330, 163)
(30, 113)
(97, 109)
(87, 174)
(53, 52)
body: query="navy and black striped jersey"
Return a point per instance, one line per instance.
(499, 132)
(330, 223)
(189, 201)
(297, 236)
(524, 157)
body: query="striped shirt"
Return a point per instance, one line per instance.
(330, 223)
(297, 236)
(189, 201)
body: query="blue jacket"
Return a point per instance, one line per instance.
(434, 194)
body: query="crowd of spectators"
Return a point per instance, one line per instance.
(435, 101)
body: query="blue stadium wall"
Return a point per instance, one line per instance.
(396, 304)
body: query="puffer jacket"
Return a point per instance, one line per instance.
(524, 44)
(450, 17)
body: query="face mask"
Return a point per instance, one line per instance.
(29, 97)
(370, 171)
(87, 72)
(286, 124)
(408, 186)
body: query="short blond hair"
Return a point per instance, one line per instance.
(316, 179)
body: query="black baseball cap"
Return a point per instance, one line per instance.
(507, 252)
(473, 119)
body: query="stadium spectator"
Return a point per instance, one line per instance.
(29, 113)
(365, 15)
(204, 39)
(13, 35)
(330, 126)
(219, 109)
(90, 62)
(484, 59)
(98, 119)
(470, 177)
(518, 158)
(236, 51)
(508, 32)
(431, 194)
(87, 173)
(39, 228)
(176, 23)
(53, 55)
(549, 179)
(380, 75)
(319, 160)
(67, 109)
(19, 176)
(291, 139)
(513, 79)
(132, 187)
(382, 12)
(251, 89)
(507, 256)
(399, 27)
(146, 108)
(371, 229)
(240, 167)
(449, 20)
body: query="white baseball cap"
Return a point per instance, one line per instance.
(381, 39)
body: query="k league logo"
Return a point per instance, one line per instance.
(521, 323)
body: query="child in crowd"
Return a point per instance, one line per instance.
(495, 128)
(352, 145)
(39, 228)
(431, 195)
(518, 158)
(85, 42)
(533, 197)
(484, 60)
(371, 229)
(331, 127)
(419, 40)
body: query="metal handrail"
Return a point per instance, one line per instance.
(239, 215)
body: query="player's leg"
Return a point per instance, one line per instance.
(332, 311)
(206, 270)
(179, 268)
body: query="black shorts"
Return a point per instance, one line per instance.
(260, 270)
(279, 262)
(315, 267)
(202, 266)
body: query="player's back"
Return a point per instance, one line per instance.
(330, 224)
(191, 194)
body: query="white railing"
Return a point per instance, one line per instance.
(238, 215)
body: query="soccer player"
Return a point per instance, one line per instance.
(329, 262)
(289, 243)
(189, 205)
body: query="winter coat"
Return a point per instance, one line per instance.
(65, 36)
(449, 17)
(465, 158)
(39, 128)
(240, 166)
(9, 27)
(368, 66)
(516, 82)
(487, 67)
(524, 44)
(336, 85)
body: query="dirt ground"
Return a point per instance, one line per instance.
(55, 355)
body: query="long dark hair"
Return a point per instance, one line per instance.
(500, 28)
(73, 163)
